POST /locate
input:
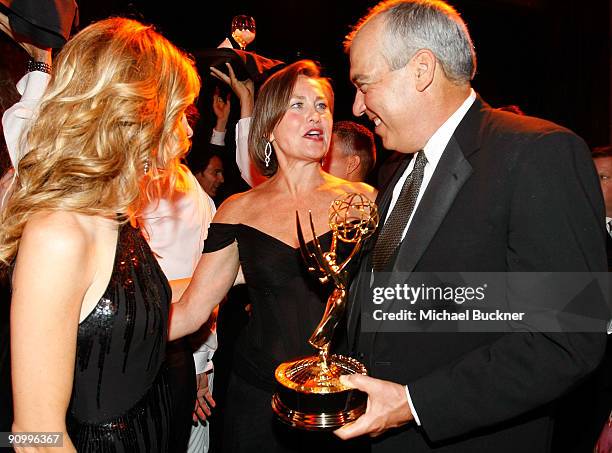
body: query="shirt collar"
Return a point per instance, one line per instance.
(437, 143)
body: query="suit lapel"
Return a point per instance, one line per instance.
(609, 250)
(452, 171)
(450, 175)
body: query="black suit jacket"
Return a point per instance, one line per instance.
(609, 251)
(509, 194)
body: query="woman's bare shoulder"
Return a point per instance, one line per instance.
(64, 233)
(61, 246)
(235, 208)
(59, 231)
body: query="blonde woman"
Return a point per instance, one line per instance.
(90, 304)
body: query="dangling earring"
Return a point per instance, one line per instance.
(147, 164)
(268, 153)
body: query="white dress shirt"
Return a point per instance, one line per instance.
(177, 226)
(247, 168)
(31, 86)
(217, 138)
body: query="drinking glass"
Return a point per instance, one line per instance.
(243, 30)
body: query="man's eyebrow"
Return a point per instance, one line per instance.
(358, 79)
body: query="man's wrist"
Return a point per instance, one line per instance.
(246, 109)
(221, 126)
(40, 54)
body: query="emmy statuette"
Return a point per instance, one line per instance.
(310, 395)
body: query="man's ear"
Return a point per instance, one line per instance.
(424, 65)
(352, 164)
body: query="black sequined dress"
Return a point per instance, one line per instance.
(120, 400)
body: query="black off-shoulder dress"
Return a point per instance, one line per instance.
(287, 305)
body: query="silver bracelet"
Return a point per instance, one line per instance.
(41, 66)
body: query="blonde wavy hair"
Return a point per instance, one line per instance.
(116, 100)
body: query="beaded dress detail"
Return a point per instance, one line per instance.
(120, 400)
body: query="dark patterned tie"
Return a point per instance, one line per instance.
(391, 233)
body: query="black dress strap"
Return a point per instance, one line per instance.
(220, 235)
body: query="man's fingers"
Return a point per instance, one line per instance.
(360, 426)
(201, 411)
(5, 25)
(219, 75)
(357, 381)
(346, 380)
(198, 414)
(209, 399)
(232, 75)
(35, 52)
(204, 400)
(353, 429)
(204, 406)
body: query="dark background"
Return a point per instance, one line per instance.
(550, 57)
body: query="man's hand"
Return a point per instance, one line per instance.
(5, 26)
(204, 400)
(37, 53)
(222, 108)
(244, 89)
(387, 407)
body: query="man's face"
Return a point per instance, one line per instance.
(604, 170)
(212, 177)
(387, 97)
